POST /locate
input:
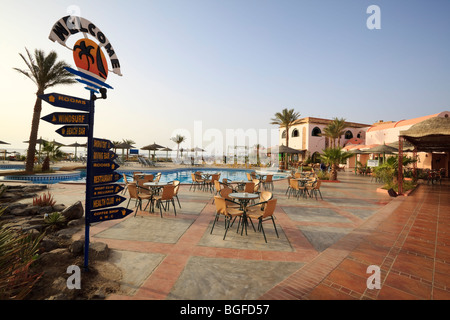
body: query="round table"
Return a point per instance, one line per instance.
(244, 198)
(154, 185)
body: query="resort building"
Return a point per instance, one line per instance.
(306, 134)
(388, 132)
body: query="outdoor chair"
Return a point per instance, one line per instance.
(176, 183)
(228, 213)
(225, 193)
(295, 188)
(263, 198)
(138, 197)
(267, 214)
(195, 182)
(249, 187)
(125, 180)
(268, 181)
(166, 196)
(314, 189)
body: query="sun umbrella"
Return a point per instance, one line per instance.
(76, 145)
(382, 149)
(153, 147)
(59, 144)
(40, 142)
(3, 142)
(123, 146)
(167, 151)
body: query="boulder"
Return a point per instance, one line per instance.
(73, 212)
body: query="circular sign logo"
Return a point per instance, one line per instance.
(88, 56)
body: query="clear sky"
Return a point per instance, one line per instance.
(232, 64)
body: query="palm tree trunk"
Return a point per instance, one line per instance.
(34, 133)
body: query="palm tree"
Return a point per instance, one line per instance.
(334, 130)
(85, 52)
(178, 139)
(333, 157)
(46, 72)
(53, 152)
(285, 119)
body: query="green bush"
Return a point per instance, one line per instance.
(17, 252)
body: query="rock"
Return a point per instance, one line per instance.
(48, 245)
(73, 212)
(98, 250)
(76, 223)
(66, 233)
(59, 207)
(46, 209)
(77, 247)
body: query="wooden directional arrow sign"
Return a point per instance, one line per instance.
(73, 131)
(106, 190)
(109, 214)
(106, 178)
(104, 155)
(68, 102)
(105, 202)
(67, 118)
(104, 166)
(101, 144)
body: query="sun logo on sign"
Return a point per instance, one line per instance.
(89, 57)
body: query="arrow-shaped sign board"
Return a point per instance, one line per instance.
(67, 118)
(105, 202)
(104, 166)
(106, 190)
(102, 144)
(73, 131)
(109, 214)
(68, 102)
(106, 178)
(104, 155)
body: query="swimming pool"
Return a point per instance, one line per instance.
(182, 174)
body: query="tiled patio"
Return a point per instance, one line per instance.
(323, 250)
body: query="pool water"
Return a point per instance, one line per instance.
(184, 175)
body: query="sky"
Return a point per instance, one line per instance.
(214, 69)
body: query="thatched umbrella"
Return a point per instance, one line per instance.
(407, 146)
(3, 142)
(382, 149)
(123, 146)
(431, 135)
(167, 151)
(40, 142)
(76, 145)
(153, 147)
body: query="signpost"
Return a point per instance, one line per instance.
(73, 131)
(67, 118)
(101, 188)
(68, 102)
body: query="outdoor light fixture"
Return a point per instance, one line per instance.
(103, 93)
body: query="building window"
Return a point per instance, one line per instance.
(348, 134)
(316, 132)
(283, 135)
(295, 133)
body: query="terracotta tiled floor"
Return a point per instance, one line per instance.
(411, 245)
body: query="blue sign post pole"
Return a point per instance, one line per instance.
(89, 179)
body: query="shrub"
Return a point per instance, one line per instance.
(17, 252)
(54, 220)
(44, 200)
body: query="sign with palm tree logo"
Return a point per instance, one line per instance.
(89, 57)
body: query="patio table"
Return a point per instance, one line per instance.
(244, 198)
(155, 186)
